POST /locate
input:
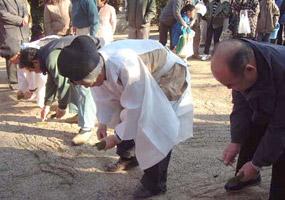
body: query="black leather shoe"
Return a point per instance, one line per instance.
(142, 193)
(122, 164)
(238, 185)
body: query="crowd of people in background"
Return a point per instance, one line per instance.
(70, 26)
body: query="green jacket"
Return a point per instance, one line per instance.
(140, 12)
(57, 85)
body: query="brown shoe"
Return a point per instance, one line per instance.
(122, 164)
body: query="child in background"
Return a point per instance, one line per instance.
(108, 21)
(188, 14)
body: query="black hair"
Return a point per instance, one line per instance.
(27, 56)
(188, 7)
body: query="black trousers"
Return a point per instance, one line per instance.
(155, 177)
(248, 148)
(216, 32)
(11, 72)
(163, 34)
(197, 37)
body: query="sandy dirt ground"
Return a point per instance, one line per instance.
(38, 162)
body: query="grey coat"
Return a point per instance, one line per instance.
(140, 12)
(12, 13)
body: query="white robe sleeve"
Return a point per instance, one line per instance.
(131, 98)
(108, 106)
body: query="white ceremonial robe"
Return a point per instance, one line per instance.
(133, 103)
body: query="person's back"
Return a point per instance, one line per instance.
(54, 44)
(85, 18)
(57, 17)
(139, 16)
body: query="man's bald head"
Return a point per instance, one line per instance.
(233, 64)
(235, 54)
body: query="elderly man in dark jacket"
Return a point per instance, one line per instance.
(13, 28)
(139, 16)
(255, 73)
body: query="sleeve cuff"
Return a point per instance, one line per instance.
(62, 106)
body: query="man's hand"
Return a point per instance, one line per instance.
(111, 141)
(25, 21)
(101, 131)
(60, 113)
(44, 112)
(249, 171)
(184, 24)
(230, 153)
(73, 30)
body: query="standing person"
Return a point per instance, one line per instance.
(254, 71)
(14, 27)
(139, 15)
(108, 21)
(217, 12)
(253, 8)
(281, 32)
(44, 60)
(171, 14)
(267, 20)
(188, 14)
(85, 18)
(144, 89)
(57, 17)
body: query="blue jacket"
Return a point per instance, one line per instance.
(282, 18)
(177, 30)
(85, 14)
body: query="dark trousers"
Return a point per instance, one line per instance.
(280, 35)
(248, 148)
(197, 37)
(163, 34)
(216, 32)
(11, 72)
(155, 177)
(263, 37)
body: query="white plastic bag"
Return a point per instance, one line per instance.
(201, 8)
(184, 48)
(244, 26)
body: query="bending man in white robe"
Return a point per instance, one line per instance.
(142, 90)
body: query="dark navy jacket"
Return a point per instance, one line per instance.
(263, 105)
